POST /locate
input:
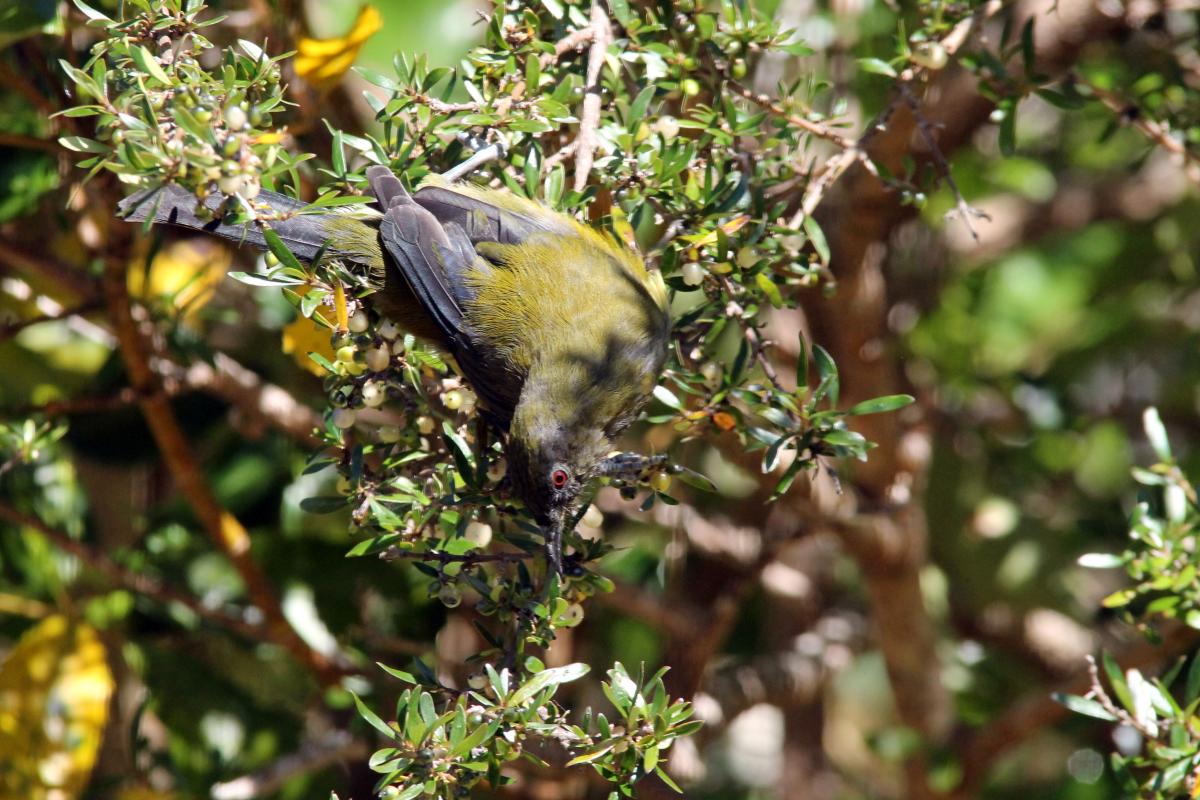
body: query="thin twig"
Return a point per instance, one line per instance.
(818, 129)
(313, 756)
(1157, 132)
(925, 127)
(589, 118)
(750, 333)
(12, 329)
(394, 553)
(134, 581)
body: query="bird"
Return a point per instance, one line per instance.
(560, 329)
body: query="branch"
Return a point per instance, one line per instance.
(1039, 710)
(589, 119)
(263, 403)
(1159, 133)
(394, 553)
(313, 756)
(134, 581)
(222, 527)
(22, 142)
(12, 329)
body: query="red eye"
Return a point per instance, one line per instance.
(559, 478)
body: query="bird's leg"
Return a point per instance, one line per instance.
(629, 466)
(495, 150)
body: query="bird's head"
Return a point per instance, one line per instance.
(549, 465)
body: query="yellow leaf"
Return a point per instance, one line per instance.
(323, 62)
(54, 692)
(185, 272)
(302, 336)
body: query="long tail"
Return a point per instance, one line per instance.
(172, 205)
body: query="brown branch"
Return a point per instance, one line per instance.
(21, 142)
(929, 136)
(1158, 132)
(394, 553)
(818, 129)
(65, 276)
(313, 756)
(1039, 710)
(222, 527)
(589, 118)
(665, 614)
(12, 329)
(263, 403)
(134, 581)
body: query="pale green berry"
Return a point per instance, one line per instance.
(378, 359)
(712, 374)
(478, 533)
(373, 394)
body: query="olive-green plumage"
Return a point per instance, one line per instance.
(561, 331)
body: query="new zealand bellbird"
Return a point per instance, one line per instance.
(561, 331)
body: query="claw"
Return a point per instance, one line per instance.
(629, 466)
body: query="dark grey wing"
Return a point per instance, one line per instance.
(304, 234)
(436, 257)
(480, 220)
(430, 263)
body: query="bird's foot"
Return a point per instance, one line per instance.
(630, 466)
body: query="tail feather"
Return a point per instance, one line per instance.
(303, 234)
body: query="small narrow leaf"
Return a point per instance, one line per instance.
(880, 404)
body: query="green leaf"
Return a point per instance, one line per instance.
(323, 505)
(373, 719)
(827, 373)
(79, 144)
(399, 674)
(1192, 690)
(695, 479)
(258, 279)
(588, 756)
(1008, 129)
(1100, 560)
(547, 678)
(1116, 679)
(667, 398)
(877, 67)
(650, 758)
(280, 250)
(1121, 597)
(667, 780)
(92, 14)
(637, 111)
(1156, 434)
(769, 288)
(149, 64)
(620, 10)
(817, 237)
(878, 405)
(1084, 705)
